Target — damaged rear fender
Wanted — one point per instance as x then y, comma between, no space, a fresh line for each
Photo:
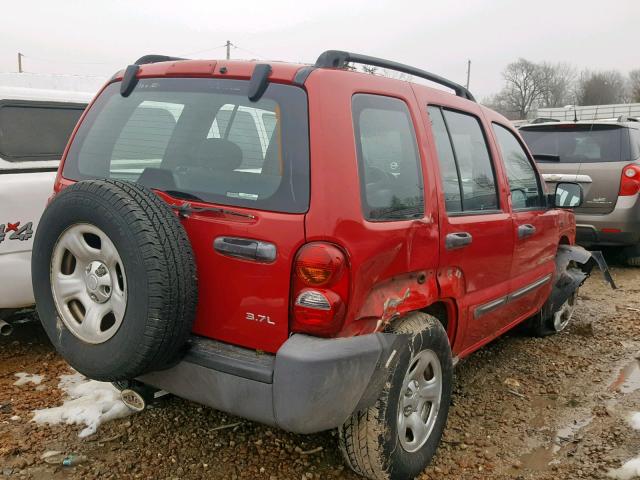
573,266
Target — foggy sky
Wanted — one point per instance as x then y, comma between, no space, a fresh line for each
100,37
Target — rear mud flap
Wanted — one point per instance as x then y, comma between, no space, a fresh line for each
569,277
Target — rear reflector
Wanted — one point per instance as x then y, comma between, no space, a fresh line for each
610,230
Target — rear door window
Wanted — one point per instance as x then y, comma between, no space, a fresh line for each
523,179
200,139
388,159
448,168
32,131
582,143
460,135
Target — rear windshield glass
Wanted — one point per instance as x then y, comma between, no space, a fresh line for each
200,139
578,143
36,130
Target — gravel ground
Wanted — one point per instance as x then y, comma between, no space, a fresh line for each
523,408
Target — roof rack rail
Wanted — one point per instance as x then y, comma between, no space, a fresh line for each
340,59
625,118
155,59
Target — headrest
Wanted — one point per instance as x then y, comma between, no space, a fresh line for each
219,154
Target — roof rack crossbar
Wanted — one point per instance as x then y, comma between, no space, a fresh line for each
340,59
155,59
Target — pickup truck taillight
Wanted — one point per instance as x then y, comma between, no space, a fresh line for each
630,181
320,289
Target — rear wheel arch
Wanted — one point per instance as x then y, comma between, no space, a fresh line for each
446,312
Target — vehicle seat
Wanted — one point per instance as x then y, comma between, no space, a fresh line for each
217,154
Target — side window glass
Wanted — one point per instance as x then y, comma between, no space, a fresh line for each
477,178
446,158
635,143
523,181
32,131
388,159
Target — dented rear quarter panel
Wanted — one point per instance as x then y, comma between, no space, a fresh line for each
393,264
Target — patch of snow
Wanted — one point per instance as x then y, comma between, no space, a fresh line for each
24,378
89,403
634,421
15,418
629,470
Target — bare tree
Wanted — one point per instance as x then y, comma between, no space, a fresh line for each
558,81
634,85
524,86
601,88
385,72
498,103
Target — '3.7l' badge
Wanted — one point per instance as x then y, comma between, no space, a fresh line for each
255,317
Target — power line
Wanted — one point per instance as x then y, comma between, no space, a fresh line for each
249,51
203,50
70,62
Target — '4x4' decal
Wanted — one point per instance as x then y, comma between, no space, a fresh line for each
16,232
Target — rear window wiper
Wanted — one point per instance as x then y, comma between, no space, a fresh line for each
186,208
546,157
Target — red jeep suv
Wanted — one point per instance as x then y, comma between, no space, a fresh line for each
305,246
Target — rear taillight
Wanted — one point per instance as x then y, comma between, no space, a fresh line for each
320,289
630,180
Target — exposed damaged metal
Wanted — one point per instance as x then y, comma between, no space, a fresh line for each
573,266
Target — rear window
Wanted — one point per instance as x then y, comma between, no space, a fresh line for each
579,143
200,139
31,131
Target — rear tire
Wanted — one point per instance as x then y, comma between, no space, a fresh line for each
387,441
632,255
153,277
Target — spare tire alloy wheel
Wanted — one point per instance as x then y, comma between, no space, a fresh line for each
88,283
114,278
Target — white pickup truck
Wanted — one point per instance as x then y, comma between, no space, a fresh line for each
37,114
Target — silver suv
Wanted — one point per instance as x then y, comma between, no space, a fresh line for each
604,157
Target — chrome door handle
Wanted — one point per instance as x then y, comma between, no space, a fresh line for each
526,230
457,240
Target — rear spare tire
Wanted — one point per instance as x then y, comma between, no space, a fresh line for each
114,279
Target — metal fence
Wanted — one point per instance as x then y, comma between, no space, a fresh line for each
590,112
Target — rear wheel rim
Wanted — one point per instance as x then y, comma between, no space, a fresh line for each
420,400
88,283
563,316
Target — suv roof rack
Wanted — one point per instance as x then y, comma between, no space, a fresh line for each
625,118
340,59
155,59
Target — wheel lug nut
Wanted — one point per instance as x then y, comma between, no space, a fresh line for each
408,411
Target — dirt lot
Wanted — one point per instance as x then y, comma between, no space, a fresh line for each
523,408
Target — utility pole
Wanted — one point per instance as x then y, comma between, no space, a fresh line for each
468,73
20,62
228,44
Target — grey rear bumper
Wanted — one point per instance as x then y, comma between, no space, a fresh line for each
310,385
621,226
